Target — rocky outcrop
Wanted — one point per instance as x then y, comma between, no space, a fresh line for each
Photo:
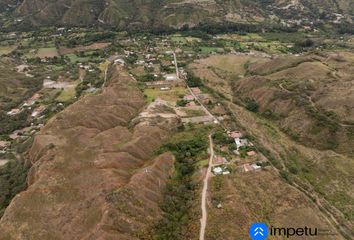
94,174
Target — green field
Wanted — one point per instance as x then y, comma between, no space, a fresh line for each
172,95
86,58
207,50
182,40
75,59
68,93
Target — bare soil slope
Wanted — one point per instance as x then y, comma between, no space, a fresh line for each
94,174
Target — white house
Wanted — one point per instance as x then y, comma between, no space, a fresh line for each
119,61
256,167
13,112
217,170
241,142
171,77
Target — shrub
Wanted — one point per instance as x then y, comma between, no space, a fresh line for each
181,103
194,81
252,105
285,175
305,43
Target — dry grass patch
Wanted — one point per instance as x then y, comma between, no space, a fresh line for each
47,52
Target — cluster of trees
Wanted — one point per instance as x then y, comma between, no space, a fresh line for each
180,193
203,29
92,79
146,78
12,181
345,29
306,43
244,149
132,58
219,28
181,103
194,81
251,105
221,138
8,124
86,39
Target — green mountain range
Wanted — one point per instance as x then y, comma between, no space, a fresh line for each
176,13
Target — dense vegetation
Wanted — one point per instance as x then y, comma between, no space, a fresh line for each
85,39
221,138
194,81
251,105
8,124
12,181
180,194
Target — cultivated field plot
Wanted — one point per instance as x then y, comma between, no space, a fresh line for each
6,49
257,42
172,95
94,46
47,52
68,93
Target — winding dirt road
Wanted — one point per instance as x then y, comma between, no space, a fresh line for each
203,220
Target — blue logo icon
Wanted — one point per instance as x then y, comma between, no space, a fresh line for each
259,231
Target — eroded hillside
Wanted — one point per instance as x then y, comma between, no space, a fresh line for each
94,174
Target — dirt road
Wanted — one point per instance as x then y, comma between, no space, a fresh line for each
203,220
216,121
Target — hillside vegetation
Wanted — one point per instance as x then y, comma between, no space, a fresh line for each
176,13
300,111
310,97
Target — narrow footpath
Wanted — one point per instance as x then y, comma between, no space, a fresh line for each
105,76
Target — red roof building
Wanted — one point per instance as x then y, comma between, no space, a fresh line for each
247,167
188,98
196,90
235,134
220,160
